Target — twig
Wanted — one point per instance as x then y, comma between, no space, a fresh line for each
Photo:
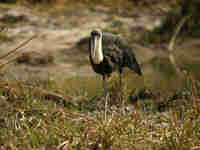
194,88
18,47
65,143
8,62
172,43
173,39
173,62
141,47
42,92
14,50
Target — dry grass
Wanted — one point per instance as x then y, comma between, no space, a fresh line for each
155,121
4,36
29,121
59,5
36,59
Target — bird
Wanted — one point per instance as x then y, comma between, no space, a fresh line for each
110,53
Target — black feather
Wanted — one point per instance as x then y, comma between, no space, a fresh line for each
117,55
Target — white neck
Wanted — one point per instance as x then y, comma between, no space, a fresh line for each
97,54
100,50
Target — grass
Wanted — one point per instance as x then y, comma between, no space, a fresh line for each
4,36
30,121
35,59
153,120
179,10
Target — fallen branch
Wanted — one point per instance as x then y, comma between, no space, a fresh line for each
141,47
172,43
47,95
18,47
51,95
14,51
173,62
173,39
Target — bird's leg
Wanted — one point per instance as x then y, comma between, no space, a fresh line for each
122,93
106,95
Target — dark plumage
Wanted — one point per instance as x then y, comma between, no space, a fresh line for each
109,53
116,55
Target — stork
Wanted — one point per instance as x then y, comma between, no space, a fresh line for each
110,53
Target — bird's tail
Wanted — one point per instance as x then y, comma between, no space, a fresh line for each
137,69
133,65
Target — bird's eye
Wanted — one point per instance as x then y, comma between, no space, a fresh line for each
95,33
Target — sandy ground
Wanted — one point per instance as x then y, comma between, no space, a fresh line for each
58,35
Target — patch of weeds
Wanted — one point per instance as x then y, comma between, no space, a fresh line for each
80,85
28,118
4,37
193,68
29,121
13,20
108,135
119,93
180,9
163,66
35,59
198,87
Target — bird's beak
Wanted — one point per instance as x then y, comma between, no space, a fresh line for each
95,49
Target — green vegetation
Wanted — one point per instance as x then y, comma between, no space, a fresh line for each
4,36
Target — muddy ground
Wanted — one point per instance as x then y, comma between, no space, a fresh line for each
60,48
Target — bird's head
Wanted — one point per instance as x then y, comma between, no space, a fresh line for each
96,46
96,33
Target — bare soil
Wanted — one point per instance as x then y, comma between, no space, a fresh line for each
64,35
